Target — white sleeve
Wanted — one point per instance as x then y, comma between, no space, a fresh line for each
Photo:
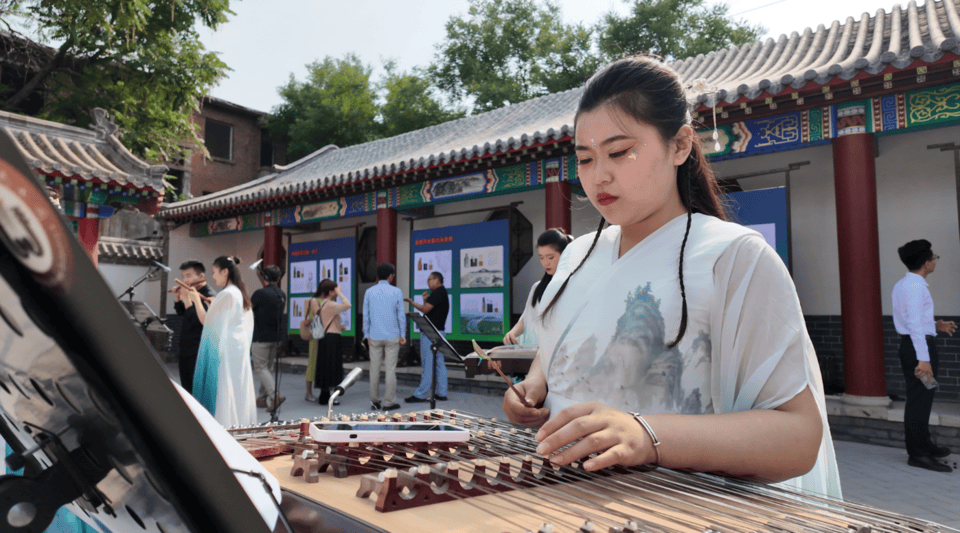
760,350
762,354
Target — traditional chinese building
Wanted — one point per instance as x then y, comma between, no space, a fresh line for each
855,122
88,172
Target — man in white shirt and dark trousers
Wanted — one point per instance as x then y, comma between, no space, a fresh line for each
385,331
913,319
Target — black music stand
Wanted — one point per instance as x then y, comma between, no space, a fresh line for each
437,344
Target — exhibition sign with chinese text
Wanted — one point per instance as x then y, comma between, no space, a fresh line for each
472,259
312,262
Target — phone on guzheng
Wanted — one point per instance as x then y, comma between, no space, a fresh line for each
386,432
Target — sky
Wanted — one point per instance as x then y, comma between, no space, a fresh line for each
268,40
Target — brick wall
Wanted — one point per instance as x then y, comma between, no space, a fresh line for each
218,174
885,432
825,332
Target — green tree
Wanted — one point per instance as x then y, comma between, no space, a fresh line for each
408,102
673,29
508,51
335,105
140,60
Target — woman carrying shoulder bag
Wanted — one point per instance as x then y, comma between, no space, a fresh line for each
329,368
325,305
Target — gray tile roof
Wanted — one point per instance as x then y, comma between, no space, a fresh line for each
514,127
769,66
870,44
128,251
93,155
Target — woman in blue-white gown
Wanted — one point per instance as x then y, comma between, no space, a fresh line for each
223,379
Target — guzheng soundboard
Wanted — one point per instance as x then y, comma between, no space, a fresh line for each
495,482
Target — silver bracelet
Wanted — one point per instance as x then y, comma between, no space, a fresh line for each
653,436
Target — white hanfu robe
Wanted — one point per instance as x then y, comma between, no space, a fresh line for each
746,345
223,379
529,335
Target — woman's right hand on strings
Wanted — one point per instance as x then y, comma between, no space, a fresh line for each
520,414
510,338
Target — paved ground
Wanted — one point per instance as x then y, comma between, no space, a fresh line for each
874,475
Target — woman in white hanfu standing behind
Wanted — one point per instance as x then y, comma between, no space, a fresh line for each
671,337
223,379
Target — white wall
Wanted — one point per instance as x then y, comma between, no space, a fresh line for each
119,277
245,245
916,199
816,270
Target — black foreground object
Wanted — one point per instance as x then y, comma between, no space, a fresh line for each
86,405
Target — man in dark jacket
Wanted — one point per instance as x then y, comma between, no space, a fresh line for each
268,304
194,274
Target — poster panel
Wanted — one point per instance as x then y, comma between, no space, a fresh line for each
481,267
298,311
344,266
318,260
764,210
303,276
426,263
481,313
471,258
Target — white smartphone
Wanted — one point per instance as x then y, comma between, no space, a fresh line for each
387,432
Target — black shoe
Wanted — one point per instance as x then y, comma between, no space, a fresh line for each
414,399
391,407
375,405
929,463
441,398
939,452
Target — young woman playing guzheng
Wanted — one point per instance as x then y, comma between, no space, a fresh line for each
671,314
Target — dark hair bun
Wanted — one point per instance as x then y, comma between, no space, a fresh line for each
236,260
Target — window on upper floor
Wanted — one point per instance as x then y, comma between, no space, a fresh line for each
218,137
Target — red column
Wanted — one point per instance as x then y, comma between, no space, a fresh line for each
89,232
272,246
387,236
854,177
558,205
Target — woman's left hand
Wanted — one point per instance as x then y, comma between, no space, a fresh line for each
615,435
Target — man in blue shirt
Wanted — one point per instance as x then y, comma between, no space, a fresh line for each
913,319
385,330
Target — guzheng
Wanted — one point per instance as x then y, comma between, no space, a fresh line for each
495,482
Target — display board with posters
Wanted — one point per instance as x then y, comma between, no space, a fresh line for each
312,262
764,210
472,259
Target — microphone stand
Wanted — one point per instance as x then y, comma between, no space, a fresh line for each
275,414
129,291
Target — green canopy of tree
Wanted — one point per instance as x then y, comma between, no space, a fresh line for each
409,104
673,29
335,105
507,51
140,60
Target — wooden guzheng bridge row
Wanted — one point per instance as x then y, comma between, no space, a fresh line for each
495,482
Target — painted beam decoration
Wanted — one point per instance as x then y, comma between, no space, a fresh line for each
509,179
895,113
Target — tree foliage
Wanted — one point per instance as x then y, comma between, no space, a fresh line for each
140,60
335,105
673,29
409,104
508,51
